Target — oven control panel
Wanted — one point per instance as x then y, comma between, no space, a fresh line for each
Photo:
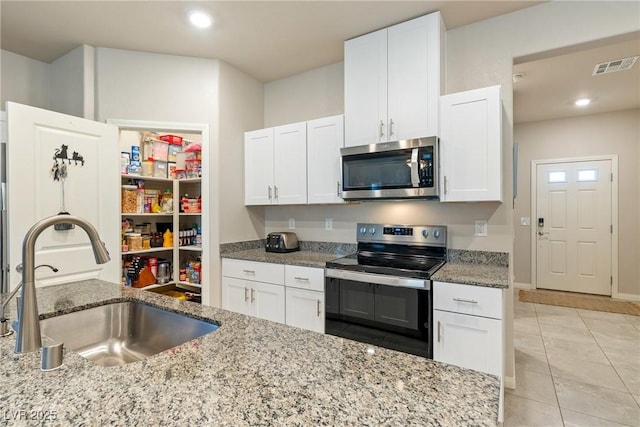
431,235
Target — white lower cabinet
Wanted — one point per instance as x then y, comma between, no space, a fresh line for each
305,309
281,293
468,327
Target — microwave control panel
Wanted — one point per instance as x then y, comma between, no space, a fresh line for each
425,169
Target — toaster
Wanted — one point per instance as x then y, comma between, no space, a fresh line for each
282,241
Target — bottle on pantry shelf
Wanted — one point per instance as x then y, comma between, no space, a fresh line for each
167,201
199,237
167,239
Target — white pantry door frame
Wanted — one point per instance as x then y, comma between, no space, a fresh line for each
614,215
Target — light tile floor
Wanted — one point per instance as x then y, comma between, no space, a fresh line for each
574,368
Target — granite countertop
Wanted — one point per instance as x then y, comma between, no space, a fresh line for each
248,372
302,257
488,275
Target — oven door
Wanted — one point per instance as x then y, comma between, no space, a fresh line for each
388,316
401,169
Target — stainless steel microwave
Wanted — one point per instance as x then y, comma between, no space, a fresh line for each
405,169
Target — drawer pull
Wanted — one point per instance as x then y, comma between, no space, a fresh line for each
246,297
318,313
304,279
470,301
438,331
253,295
249,271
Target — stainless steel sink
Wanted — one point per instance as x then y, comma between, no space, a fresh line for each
119,333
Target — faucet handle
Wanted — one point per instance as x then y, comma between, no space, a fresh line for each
19,267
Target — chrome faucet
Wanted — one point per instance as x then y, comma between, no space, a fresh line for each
28,334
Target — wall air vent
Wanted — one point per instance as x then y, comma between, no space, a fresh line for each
613,66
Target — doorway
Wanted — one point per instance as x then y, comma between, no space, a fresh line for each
574,227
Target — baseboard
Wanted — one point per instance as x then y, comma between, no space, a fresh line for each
510,382
629,297
519,285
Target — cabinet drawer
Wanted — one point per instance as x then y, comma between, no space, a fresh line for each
467,299
304,277
251,270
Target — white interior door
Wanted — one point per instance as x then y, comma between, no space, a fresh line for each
574,227
91,191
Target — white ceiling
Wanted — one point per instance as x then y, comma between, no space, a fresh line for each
272,40
268,40
550,86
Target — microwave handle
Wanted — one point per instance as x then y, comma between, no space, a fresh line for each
415,176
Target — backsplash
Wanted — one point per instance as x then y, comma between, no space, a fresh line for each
323,247
478,257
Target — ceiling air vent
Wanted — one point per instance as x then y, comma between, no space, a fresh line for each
613,66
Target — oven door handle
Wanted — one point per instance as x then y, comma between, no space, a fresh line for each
379,279
415,176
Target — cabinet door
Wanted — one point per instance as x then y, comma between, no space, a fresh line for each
236,295
290,164
471,146
468,341
325,138
305,309
268,301
414,78
258,167
365,89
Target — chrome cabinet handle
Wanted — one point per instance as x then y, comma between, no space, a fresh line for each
381,128
306,279
249,271
445,184
246,297
253,295
269,192
275,191
438,331
338,188
390,127
470,301
318,313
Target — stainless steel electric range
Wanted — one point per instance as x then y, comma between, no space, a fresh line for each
382,295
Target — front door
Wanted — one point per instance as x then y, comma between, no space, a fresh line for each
43,147
573,226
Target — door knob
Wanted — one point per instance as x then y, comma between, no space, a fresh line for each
542,233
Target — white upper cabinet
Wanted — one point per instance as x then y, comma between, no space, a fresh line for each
258,167
275,162
325,138
471,146
392,82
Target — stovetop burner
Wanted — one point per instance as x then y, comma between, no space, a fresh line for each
351,263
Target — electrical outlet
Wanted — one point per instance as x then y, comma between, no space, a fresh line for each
526,221
328,223
292,223
481,228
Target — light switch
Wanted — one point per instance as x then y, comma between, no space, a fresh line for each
526,221
481,228
328,223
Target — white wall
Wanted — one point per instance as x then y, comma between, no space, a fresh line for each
23,80
305,96
600,134
72,82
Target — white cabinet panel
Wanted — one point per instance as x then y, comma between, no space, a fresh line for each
365,89
325,137
254,271
468,341
305,309
468,299
236,295
268,301
304,277
290,164
471,145
392,82
258,167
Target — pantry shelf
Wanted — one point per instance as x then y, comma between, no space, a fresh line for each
147,178
191,248
147,251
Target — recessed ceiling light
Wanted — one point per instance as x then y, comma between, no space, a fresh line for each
517,77
200,19
583,102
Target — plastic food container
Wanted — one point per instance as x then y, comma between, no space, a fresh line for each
160,169
129,199
134,241
147,167
160,150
